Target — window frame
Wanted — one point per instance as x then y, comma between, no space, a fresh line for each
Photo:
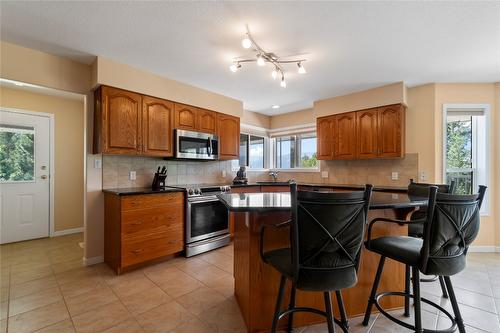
485,109
297,153
265,153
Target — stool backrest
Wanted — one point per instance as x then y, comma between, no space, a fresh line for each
422,189
327,228
452,224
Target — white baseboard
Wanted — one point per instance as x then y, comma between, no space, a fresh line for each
67,232
484,249
93,260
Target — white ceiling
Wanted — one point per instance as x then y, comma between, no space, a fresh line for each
351,46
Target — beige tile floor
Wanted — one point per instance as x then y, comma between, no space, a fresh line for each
44,288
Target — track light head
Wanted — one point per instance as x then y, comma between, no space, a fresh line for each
234,67
274,73
283,82
246,42
260,60
301,69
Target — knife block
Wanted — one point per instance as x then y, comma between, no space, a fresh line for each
158,181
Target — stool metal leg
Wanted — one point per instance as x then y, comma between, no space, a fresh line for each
416,295
291,306
340,301
443,287
407,291
279,300
329,312
454,304
373,293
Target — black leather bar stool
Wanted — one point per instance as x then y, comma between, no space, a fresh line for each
326,235
416,229
452,223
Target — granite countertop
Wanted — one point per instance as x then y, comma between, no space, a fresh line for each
379,188
280,201
141,190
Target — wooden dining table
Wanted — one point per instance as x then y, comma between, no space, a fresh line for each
256,283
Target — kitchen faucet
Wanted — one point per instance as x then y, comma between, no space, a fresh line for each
274,174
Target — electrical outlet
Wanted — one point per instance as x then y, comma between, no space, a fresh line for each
395,175
423,176
98,163
132,175
324,174
223,173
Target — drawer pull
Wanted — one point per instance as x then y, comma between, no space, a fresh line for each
137,251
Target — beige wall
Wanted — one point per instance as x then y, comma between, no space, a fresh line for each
255,119
300,117
69,118
384,95
115,74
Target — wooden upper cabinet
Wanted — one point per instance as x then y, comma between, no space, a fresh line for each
157,123
228,128
367,134
185,117
325,141
207,121
345,136
391,131
121,121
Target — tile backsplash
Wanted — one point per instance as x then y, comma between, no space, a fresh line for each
116,171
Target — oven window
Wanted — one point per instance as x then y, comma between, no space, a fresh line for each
208,217
189,145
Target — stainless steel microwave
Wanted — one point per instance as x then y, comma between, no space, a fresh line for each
196,145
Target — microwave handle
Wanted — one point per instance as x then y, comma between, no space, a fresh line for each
209,147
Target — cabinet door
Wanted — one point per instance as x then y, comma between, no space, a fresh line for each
366,133
207,121
121,120
391,131
157,124
345,136
185,117
325,142
229,136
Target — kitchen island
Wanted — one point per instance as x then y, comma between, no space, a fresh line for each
256,283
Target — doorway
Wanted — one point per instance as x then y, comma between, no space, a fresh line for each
25,175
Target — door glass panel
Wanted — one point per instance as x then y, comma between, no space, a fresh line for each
17,153
208,217
308,151
285,152
243,149
193,145
256,152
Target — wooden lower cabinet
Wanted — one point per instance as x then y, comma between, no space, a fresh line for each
141,228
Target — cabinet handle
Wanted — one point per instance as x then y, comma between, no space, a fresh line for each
137,251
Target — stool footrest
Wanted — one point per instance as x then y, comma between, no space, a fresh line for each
378,297
316,311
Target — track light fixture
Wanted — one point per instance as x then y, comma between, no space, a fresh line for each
262,58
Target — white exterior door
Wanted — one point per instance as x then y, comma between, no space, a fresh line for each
24,176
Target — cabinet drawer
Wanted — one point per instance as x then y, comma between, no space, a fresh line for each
146,248
152,200
152,220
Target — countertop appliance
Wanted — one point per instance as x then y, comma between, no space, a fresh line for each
207,219
196,145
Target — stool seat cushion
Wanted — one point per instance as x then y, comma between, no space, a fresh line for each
313,278
401,248
416,230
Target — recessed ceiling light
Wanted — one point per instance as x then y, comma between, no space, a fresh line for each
275,106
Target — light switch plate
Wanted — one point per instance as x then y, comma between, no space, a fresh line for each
98,163
223,173
395,175
132,175
324,174
423,176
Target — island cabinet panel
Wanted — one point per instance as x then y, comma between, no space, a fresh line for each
345,136
275,188
367,133
186,117
391,131
207,121
157,120
325,142
121,131
142,228
228,129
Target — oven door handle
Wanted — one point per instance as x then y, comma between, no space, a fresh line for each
203,199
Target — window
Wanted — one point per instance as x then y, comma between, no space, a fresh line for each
295,151
252,152
17,153
465,153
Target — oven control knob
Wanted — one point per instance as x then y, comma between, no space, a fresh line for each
197,191
190,191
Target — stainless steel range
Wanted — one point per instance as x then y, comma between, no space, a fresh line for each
207,219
